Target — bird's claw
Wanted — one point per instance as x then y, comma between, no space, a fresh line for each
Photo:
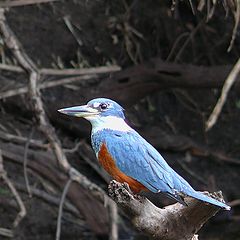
119,191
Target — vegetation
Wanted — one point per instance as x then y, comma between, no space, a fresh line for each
174,66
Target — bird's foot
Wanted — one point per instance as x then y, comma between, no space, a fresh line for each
125,185
135,195
216,195
119,191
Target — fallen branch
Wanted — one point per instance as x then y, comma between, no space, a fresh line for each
174,222
65,72
65,190
180,143
55,83
16,3
48,198
25,159
22,140
138,81
113,219
37,105
90,158
155,75
226,88
234,203
44,164
22,212
236,15
6,232
38,109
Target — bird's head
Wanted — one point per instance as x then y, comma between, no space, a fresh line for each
97,111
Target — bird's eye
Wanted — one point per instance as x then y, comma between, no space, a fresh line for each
103,106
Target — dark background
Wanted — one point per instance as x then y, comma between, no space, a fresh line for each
129,34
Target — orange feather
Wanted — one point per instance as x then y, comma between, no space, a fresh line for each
109,165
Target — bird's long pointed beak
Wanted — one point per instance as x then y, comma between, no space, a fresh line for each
79,111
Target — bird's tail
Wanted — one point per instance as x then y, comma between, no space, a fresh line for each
207,199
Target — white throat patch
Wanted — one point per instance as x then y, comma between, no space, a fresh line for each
109,122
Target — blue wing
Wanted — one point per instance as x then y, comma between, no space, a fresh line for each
138,159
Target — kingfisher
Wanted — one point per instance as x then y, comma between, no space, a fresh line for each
128,157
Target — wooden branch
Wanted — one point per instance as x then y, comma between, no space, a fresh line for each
16,3
113,219
22,212
48,198
50,84
89,157
22,140
44,164
39,111
232,77
83,71
37,105
138,81
44,125
174,222
11,68
67,71
25,160
6,233
156,75
179,143
60,210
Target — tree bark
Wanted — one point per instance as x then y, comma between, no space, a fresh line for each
155,75
44,164
174,222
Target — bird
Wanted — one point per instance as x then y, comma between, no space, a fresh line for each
128,158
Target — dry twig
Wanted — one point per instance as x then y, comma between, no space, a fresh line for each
16,3
236,14
113,215
20,203
191,35
25,158
27,64
37,105
85,202
58,82
22,140
191,173
70,27
65,72
65,190
175,45
75,148
87,151
226,87
6,232
35,96
234,203
49,198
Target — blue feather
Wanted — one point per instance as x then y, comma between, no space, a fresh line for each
138,159
133,155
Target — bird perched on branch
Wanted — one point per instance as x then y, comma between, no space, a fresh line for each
128,157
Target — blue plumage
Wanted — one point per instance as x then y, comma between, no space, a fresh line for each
113,108
132,154
138,159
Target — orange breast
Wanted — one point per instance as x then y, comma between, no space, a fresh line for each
109,165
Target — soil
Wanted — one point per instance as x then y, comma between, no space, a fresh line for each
127,33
